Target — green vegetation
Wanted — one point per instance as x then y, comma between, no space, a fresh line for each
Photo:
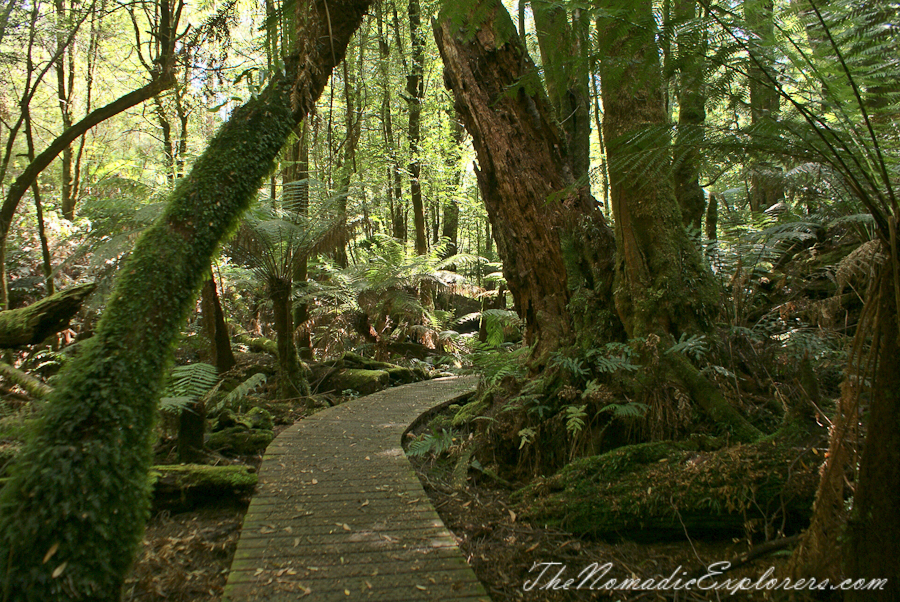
664,234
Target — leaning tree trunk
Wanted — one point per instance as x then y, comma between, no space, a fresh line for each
72,515
29,175
662,284
524,173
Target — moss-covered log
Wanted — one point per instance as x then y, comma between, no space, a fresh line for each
187,485
240,441
260,344
72,517
33,324
32,385
362,381
664,490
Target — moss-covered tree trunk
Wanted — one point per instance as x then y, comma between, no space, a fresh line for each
72,516
691,43
662,284
290,378
562,42
524,172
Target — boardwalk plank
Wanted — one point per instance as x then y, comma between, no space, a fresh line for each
341,515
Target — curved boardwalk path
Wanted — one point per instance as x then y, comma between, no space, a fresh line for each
340,514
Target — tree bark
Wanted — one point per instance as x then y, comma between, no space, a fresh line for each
766,186
290,378
221,355
301,263
79,492
662,284
691,43
874,525
524,174
564,56
33,324
415,89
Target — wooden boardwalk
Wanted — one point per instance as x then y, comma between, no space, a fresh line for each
340,514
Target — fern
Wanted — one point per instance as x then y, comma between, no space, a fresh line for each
575,418
632,409
187,384
431,443
611,358
240,391
693,346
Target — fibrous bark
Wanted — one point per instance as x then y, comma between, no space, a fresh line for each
72,516
523,171
874,526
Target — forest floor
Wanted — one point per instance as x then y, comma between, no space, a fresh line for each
186,556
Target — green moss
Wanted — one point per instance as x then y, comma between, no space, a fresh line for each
659,490
260,419
80,486
469,411
197,475
240,441
364,382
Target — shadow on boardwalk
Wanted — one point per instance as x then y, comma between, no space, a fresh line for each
341,515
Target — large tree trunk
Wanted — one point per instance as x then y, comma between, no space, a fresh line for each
662,284
72,515
524,174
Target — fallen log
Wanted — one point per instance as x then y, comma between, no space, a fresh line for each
186,486
33,324
33,386
672,490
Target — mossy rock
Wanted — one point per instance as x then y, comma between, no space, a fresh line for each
189,485
660,491
363,382
260,419
228,419
238,440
